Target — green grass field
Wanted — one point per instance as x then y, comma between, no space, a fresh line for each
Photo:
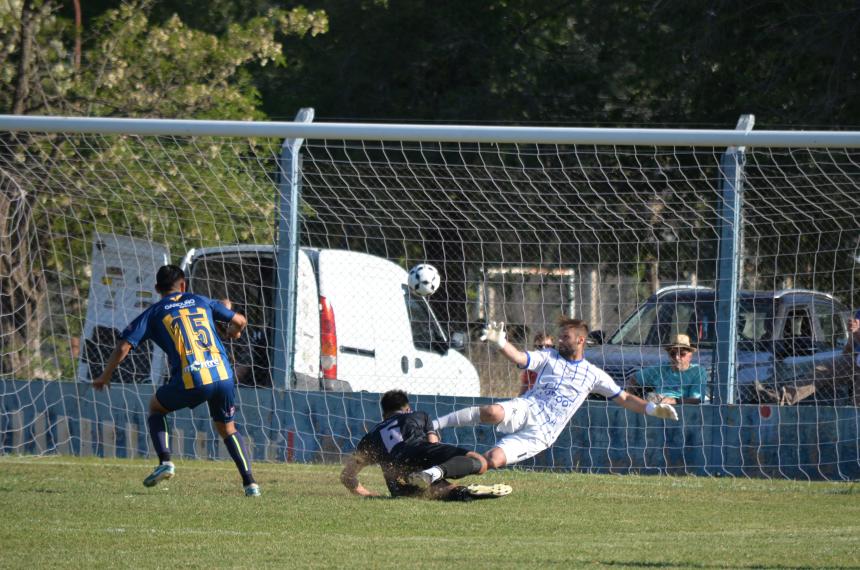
73,513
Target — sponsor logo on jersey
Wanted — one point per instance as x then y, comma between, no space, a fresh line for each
180,305
196,366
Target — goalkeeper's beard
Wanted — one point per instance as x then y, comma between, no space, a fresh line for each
565,351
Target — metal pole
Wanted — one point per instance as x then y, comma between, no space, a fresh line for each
433,133
288,193
724,359
731,172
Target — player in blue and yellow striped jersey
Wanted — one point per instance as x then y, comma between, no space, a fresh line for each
183,325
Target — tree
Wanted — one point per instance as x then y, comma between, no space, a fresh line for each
130,67
589,62
578,62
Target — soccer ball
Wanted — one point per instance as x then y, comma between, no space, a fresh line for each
423,280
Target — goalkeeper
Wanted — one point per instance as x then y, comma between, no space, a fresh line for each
531,423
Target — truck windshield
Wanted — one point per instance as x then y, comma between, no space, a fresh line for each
656,322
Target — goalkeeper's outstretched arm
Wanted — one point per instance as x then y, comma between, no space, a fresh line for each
494,333
640,406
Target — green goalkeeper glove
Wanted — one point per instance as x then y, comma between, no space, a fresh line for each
495,332
665,411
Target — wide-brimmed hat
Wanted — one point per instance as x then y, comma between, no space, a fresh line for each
680,341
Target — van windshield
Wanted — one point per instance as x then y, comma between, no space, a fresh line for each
656,322
426,333
247,280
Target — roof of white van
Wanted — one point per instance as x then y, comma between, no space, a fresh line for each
228,249
270,249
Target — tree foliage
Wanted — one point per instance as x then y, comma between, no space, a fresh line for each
134,67
579,62
584,62
131,66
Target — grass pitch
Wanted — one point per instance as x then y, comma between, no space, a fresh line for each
95,513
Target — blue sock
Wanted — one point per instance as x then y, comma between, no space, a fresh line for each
236,446
160,438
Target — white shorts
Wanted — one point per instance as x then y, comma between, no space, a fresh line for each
523,439
516,415
520,446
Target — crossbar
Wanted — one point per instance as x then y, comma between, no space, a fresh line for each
434,133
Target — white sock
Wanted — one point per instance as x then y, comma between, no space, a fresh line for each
465,417
435,473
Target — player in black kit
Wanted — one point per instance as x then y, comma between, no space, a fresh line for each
413,461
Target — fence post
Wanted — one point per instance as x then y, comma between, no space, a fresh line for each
288,196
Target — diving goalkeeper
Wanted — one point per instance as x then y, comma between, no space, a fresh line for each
531,423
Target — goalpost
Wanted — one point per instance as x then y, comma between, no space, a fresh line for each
599,223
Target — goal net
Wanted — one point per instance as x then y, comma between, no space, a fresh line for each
623,236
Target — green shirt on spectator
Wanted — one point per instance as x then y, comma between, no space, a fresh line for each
672,383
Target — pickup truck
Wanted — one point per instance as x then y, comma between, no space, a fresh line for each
782,335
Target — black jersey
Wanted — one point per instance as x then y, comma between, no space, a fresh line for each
385,442
399,445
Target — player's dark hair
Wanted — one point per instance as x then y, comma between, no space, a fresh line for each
167,277
393,401
565,323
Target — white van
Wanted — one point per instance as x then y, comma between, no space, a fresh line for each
357,326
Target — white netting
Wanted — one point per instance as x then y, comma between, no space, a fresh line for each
521,234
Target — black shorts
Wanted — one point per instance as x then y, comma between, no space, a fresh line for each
219,395
416,457
422,455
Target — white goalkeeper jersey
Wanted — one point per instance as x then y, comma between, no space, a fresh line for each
561,388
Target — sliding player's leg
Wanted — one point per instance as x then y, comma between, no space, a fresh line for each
436,461
454,468
445,491
440,462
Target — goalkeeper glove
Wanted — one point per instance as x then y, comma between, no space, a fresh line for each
665,411
495,332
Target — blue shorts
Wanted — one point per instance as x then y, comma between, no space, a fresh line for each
220,396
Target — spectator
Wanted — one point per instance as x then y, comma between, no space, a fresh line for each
679,382
542,341
837,381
